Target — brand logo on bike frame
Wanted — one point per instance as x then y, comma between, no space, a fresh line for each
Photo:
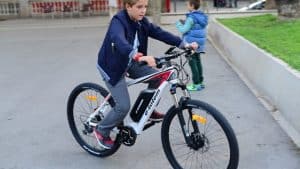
152,101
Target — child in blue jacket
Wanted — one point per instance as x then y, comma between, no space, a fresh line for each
194,30
125,45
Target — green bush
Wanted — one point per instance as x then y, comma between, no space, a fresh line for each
278,37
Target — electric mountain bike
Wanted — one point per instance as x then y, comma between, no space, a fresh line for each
194,134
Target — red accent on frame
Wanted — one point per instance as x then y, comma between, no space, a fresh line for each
162,77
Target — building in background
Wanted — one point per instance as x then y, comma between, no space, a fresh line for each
79,8
55,8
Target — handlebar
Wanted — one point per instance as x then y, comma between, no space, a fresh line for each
169,55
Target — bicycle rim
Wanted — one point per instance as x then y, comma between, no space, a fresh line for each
218,148
83,101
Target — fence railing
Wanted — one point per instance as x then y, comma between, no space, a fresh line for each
9,8
55,8
62,8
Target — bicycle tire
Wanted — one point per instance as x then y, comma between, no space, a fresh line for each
82,139
204,157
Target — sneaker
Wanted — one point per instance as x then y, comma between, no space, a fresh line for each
201,85
195,87
156,116
105,142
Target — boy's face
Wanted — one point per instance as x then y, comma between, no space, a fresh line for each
189,6
138,10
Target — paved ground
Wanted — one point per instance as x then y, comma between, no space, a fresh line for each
42,60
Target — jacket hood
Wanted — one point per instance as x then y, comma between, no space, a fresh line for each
198,17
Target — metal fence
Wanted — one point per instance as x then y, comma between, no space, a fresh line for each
55,8
9,8
71,8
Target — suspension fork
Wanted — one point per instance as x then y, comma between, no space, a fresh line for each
179,107
187,95
194,123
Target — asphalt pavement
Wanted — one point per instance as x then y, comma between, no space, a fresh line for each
43,60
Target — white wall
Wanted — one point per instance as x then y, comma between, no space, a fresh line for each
275,82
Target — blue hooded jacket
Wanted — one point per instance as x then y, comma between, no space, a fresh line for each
117,48
197,32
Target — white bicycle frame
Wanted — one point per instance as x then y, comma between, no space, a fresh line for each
138,127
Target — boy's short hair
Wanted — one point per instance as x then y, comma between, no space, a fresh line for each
196,3
129,2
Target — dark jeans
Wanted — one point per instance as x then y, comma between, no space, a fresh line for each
196,67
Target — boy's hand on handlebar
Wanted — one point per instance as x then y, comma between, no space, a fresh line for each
193,45
149,59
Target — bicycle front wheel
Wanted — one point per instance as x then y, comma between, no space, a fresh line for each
83,101
198,136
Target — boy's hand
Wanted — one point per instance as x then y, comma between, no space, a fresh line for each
182,21
149,59
193,45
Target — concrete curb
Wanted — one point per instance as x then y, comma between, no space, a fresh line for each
272,81
171,18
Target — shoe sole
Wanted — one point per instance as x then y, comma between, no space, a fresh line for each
156,120
195,90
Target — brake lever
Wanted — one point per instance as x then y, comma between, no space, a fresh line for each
170,50
188,51
159,62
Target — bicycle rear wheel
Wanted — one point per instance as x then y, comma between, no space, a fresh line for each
84,100
200,137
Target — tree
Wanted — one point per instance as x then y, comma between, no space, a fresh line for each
270,4
154,9
288,8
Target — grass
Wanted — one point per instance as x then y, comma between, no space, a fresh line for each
278,37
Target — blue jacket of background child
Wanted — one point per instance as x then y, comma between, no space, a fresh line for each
194,28
117,49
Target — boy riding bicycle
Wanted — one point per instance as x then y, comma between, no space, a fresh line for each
125,45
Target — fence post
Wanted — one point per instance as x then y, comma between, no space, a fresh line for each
113,7
156,7
24,8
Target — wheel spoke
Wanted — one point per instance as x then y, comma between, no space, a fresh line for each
210,145
83,101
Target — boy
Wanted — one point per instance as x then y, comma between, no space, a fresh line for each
194,30
125,45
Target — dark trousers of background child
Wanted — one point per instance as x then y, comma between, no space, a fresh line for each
197,72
